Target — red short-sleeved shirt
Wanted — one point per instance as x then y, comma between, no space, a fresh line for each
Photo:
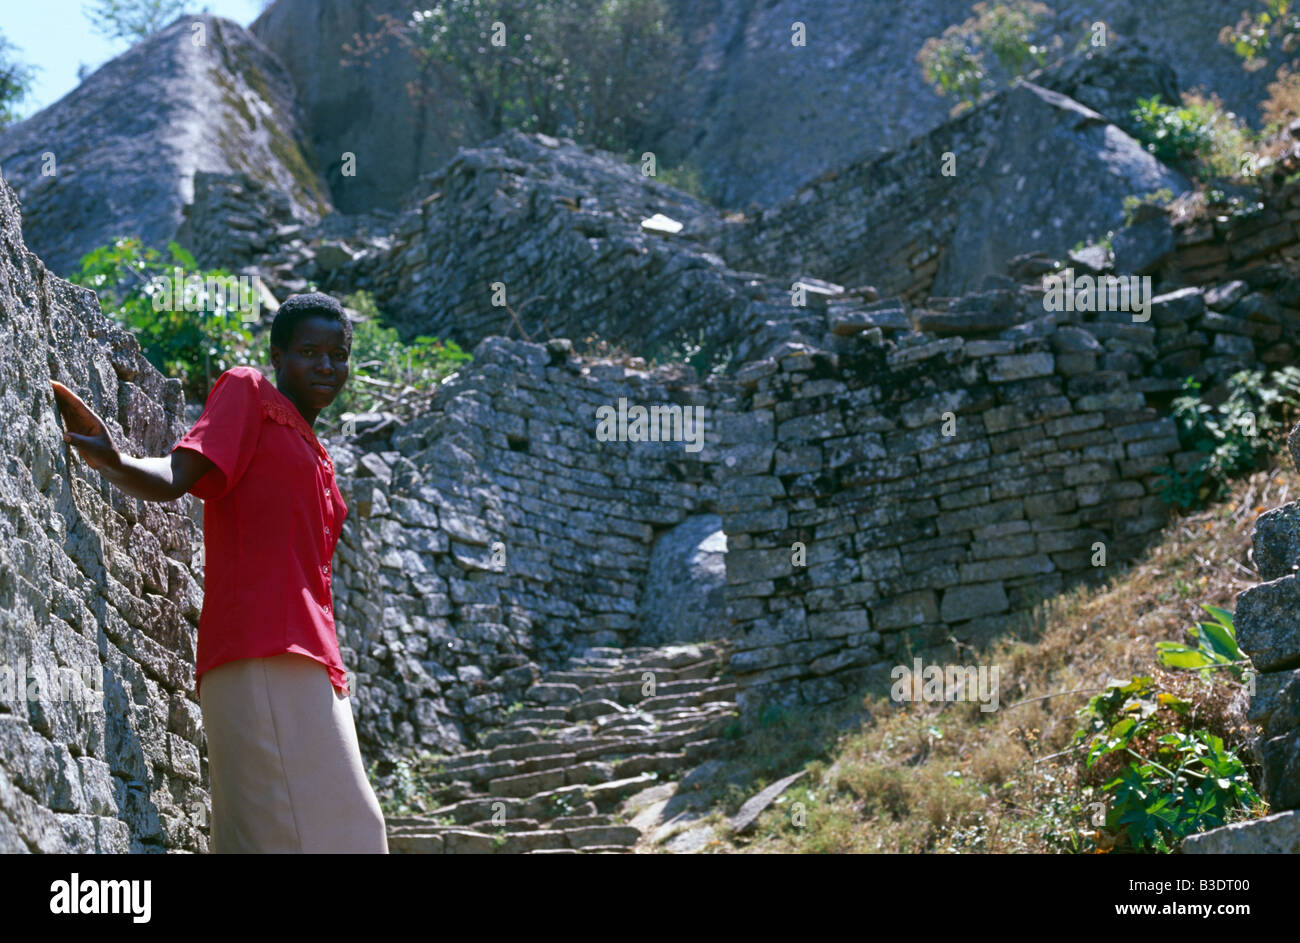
271,518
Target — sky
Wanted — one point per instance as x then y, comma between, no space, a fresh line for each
56,35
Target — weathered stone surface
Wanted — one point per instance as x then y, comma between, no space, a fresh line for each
1147,242
997,205
1175,307
684,586
1277,834
99,734
1276,541
1268,623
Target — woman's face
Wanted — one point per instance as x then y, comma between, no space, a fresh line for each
315,366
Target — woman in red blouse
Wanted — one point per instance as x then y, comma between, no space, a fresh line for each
283,760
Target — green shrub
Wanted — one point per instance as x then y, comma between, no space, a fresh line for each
380,355
1185,782
1252,36
195,346
1199,136
1174,134
1232,438
987,50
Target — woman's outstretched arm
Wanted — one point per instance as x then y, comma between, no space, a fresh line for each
152,479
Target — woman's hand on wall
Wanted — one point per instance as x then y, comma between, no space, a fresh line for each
151,479
86,431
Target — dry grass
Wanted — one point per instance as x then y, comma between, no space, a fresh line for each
946,777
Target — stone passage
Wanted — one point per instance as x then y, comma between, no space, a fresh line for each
550,779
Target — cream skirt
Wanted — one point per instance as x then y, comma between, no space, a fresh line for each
284,763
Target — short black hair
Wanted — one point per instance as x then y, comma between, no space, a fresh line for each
307,305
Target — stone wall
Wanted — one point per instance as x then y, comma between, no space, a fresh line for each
836,440
558,225
445,633
100,732
947,466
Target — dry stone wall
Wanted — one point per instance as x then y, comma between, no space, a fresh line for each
101,740
496,535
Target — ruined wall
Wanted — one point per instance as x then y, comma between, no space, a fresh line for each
946,478
444,634
558,225
100,735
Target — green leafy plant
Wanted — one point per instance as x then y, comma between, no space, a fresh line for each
1162,781
1252,36
1174,134
1216,646
1233,437
1199,136
382,363
195,346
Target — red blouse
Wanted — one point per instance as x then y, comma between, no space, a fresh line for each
271,518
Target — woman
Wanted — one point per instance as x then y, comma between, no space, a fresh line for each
283,759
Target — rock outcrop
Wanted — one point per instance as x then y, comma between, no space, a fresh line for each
363,110
853,92
1029,169
117,155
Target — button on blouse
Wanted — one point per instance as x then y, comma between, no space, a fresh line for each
270,526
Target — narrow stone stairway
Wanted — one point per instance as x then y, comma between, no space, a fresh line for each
550,780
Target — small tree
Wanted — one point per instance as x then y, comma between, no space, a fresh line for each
587,69
134,19
987,50
15,82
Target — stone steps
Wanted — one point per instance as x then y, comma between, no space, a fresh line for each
550,780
